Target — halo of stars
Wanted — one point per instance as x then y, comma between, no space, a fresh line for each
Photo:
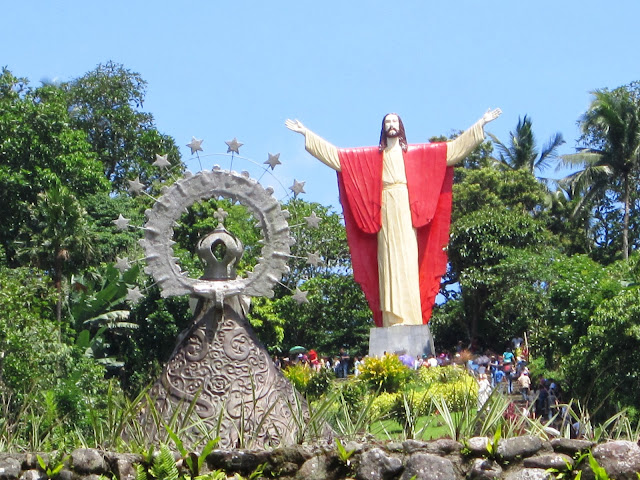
136,187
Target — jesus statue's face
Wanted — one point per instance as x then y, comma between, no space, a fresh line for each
391,125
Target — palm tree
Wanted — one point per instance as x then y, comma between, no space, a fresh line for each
522,151
611,131
57,237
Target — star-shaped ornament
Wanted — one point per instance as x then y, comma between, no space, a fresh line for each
300,297
273,161
135,186
297,188
314,259
195,145
162,161
234,146
122,264
134,295
313,221
121,222
221,215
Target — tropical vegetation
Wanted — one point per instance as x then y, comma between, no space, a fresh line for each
557,261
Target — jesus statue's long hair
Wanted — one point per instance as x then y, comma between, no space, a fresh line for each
402,136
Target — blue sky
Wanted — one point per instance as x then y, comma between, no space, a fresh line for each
219,70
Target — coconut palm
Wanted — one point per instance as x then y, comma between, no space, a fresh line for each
611,130
522,151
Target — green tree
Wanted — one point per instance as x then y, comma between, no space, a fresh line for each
479,242
601,368
336,315
38,150
54,389
610,161
105,104
56,239
490,219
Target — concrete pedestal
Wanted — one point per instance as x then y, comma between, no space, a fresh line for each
414,339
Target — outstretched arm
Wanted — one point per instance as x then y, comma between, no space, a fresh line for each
315,145
296,126
459,148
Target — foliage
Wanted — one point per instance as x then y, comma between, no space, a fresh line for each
299,375
386,373
163,467
320,383
343,454
54,466
451,384
488,188
109,242
159,321
104,105
352,419
384,403
353,395
409,408
522,152
479,242
611,133
336,315
598,369
446,374
39,149
599,472
193,460
57,239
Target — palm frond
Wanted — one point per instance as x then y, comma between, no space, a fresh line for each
548,152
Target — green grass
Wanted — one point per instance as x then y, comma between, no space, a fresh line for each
390,429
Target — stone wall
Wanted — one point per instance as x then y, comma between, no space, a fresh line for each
520,458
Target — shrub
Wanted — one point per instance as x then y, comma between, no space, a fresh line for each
452,384
386,373
448,374
320,382
354,394
383,404
299,375
409,407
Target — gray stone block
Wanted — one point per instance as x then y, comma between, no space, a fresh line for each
621,459
529,474
9,468
558,461
483,469
414,339
375,464
510,449
425,466
88,460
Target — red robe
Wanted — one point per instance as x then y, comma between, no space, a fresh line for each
429,182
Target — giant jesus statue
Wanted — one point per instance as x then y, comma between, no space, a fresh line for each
396,200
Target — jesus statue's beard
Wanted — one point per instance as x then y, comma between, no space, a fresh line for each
392,133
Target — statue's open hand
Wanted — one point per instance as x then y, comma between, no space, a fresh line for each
491,115
296,126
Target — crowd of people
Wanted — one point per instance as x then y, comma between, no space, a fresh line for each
341,363
507,373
